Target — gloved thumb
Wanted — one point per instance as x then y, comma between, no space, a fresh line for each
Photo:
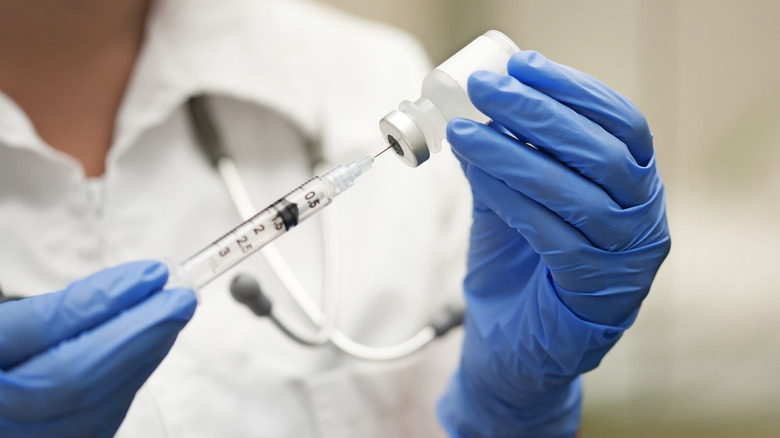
33,325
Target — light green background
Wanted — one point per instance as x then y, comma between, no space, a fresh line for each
703,357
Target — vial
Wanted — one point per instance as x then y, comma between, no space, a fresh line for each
417,129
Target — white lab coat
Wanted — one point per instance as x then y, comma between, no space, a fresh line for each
283,75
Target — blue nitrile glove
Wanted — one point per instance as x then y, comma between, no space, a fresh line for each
566,240
72,361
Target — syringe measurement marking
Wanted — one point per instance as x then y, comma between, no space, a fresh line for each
241,242
285,217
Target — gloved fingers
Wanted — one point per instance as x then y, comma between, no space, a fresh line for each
587,96
477,205
499,258
82,370
502,129
576,268
545,231
572,139
34,324
539,177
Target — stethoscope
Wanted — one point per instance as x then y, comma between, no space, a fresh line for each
246,290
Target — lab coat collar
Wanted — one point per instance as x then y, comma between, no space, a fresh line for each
191,48
15,128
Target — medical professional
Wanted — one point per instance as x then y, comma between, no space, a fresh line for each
99,169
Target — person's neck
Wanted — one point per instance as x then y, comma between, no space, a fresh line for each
66,63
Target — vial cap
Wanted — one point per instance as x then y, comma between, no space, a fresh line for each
406,139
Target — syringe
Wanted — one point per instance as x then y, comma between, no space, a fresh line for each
270,223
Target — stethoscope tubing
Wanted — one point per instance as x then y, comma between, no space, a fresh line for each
209,140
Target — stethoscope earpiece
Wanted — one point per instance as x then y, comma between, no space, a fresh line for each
246,290
447,318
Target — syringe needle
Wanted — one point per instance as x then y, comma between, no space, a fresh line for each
383,151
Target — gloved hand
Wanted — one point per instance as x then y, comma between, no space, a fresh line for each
72,361
566,239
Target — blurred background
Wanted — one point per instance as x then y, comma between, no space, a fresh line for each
702,359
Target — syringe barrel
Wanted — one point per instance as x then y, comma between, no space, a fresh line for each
270,223
260,230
